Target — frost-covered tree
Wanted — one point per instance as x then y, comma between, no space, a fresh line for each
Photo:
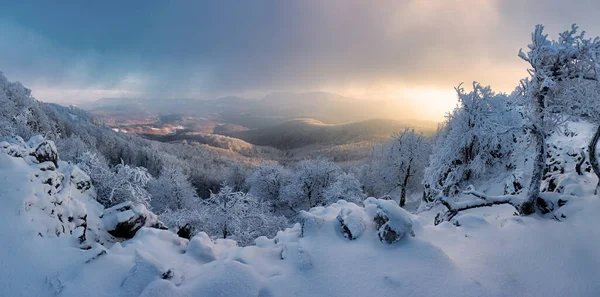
589,94
127,183
346,187
558,71
21,114
236,177
308,182
172,190
267,181
240,216
72,148
479,134
398,165
553,64
117,184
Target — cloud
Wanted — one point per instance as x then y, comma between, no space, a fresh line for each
200,48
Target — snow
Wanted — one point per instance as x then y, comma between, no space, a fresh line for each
481,252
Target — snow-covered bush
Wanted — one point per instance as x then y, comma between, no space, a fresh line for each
346,187
239,216
267,181
72,148
308,182
172,190
236,177
118,184
185,222
226,214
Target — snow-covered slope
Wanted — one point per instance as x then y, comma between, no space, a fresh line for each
376,249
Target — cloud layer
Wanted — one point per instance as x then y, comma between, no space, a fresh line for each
195,48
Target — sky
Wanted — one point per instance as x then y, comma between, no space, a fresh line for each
410,51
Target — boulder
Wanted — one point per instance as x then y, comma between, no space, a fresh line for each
43,150
352,224
125,219
392,222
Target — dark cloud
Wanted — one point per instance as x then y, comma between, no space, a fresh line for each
177,48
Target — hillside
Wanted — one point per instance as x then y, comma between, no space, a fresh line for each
62,242
305,132
218,141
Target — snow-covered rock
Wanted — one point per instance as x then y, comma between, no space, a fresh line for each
352,223
43,150
125,219
392,222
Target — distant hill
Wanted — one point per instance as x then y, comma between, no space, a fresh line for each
275,108
235,145
305,132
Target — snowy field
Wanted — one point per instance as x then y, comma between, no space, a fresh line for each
339,250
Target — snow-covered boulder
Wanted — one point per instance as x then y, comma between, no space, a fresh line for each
310,223
125,219
15,146
202,248
81,180
392,222
352,223
43,150
62,200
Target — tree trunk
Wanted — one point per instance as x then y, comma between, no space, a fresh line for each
593,157
539,162
404,184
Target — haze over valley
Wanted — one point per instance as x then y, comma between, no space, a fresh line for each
285,126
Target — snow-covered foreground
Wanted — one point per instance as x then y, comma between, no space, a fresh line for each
45,251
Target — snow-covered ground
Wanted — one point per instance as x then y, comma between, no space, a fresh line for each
376,249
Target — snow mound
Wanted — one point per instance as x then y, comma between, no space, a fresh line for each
321,262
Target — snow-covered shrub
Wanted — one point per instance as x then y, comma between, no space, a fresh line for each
308,182
72,148
346,187
267,181
239,216
185,222
236,177
118,184
172,190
